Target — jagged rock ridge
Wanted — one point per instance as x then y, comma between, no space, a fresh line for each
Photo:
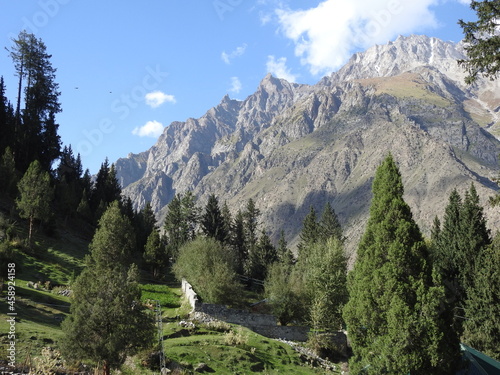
289,146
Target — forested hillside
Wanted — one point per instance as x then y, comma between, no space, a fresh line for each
365,205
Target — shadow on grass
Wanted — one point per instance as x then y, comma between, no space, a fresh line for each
36,313
42,297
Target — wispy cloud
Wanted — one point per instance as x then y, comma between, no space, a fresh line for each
239,51
149,129
279,69
235,85
157,98
327,35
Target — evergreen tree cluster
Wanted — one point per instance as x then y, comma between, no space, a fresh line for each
34,167
251,248
313,288
467,259
412,302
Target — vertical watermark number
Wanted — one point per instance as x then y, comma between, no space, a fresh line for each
11,314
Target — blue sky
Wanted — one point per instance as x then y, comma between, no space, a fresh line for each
127,69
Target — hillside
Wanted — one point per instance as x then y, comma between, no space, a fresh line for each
289,146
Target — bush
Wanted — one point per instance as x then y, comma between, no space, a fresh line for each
236,338
209,268
217,325
283,294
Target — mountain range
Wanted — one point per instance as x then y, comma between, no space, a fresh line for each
289,146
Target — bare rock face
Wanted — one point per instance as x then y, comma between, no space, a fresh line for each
289,146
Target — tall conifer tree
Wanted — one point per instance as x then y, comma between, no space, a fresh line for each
456,246
393,312
329,225
482,307
310,232
212,222
36,128
107,321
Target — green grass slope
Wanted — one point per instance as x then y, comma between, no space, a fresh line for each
48,269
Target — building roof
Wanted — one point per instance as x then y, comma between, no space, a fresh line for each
478,363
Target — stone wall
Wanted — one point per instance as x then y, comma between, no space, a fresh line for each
263,324
190,294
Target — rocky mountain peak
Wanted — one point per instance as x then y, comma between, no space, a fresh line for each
289,146
403,54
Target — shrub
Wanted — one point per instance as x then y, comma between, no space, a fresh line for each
236,338
208,266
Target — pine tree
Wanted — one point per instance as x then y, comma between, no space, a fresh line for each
113,244
212,222
310,232
35,196
447,244
155,255
476,235
106,189
107,321
285,255
238,242
329,225
190,214
83,208
128,211
263,255
482,307
145,223
227,224
251,217
457,245
482,41
250,225
7,128
393,311
180,222
8,173
36,129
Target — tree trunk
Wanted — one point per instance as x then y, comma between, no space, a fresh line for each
106,368
19,91
30,231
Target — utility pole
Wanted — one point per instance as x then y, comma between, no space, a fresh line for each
159,323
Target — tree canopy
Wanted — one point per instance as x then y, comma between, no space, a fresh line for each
107,321
393,310
482,41
35,195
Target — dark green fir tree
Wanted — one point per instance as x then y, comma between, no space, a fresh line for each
482,307
107,321
310,232
212,221
393,313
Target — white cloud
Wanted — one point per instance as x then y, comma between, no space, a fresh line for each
157,98
239,51
327,35
235,85
279,69
149,129
265,18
